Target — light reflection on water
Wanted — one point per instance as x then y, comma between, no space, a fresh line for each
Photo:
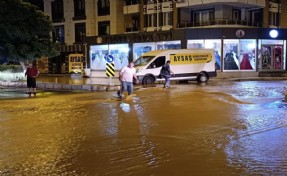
260,148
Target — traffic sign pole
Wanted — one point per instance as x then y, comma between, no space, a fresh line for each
110,68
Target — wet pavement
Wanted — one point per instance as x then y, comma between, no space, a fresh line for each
79,80
222,128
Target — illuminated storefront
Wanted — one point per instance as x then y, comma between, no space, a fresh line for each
272,55
239,54
207,44
99,53
250,50
141,48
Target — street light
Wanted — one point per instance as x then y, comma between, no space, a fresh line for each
273,33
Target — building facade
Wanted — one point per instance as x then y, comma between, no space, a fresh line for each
249,36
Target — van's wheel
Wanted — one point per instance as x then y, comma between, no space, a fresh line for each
148,80
202,78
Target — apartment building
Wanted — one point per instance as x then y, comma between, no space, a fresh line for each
249,36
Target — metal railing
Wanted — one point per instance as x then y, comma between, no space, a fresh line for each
218,21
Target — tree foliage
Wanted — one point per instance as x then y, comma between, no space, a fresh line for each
24,32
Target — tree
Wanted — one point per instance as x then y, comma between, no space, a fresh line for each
24,32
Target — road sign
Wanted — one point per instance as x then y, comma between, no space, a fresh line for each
109,58
110,69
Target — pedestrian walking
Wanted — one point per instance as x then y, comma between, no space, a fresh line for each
166,72
31,73
126,76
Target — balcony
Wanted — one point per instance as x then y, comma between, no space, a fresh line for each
132,29
219,22
236,3
130,9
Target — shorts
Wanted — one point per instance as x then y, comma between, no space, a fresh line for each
31,82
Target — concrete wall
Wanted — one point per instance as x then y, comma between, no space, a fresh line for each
91,26
283,16
69,23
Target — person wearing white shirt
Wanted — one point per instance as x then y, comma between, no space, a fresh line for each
127,74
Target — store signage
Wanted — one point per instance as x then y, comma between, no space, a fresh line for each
76,63
195,58
99,40
240,33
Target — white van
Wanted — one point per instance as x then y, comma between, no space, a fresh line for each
187,64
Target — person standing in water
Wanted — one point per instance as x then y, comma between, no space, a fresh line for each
166,72
31,73
126,76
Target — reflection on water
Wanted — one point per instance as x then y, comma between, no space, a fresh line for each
78,80
260,148
186,130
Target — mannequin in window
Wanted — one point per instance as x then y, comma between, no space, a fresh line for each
245,63
230,61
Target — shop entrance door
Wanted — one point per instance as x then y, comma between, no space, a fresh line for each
272,57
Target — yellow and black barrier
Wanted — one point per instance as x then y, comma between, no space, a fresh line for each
110,69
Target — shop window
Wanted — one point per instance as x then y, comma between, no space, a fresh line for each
195,44
119,52
208,44
103,7
97,56
104,28
79,10
239,54
59,34
57,11
141,48
271,55
168,45
80,32
158,62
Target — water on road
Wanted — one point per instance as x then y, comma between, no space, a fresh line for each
228,128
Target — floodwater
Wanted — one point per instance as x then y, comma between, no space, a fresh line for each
228,128
79,80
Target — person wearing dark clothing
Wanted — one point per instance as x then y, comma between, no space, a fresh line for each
166,72
31,73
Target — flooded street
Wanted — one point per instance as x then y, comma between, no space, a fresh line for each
223,128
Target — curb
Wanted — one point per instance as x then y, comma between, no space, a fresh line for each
253,79
86,87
